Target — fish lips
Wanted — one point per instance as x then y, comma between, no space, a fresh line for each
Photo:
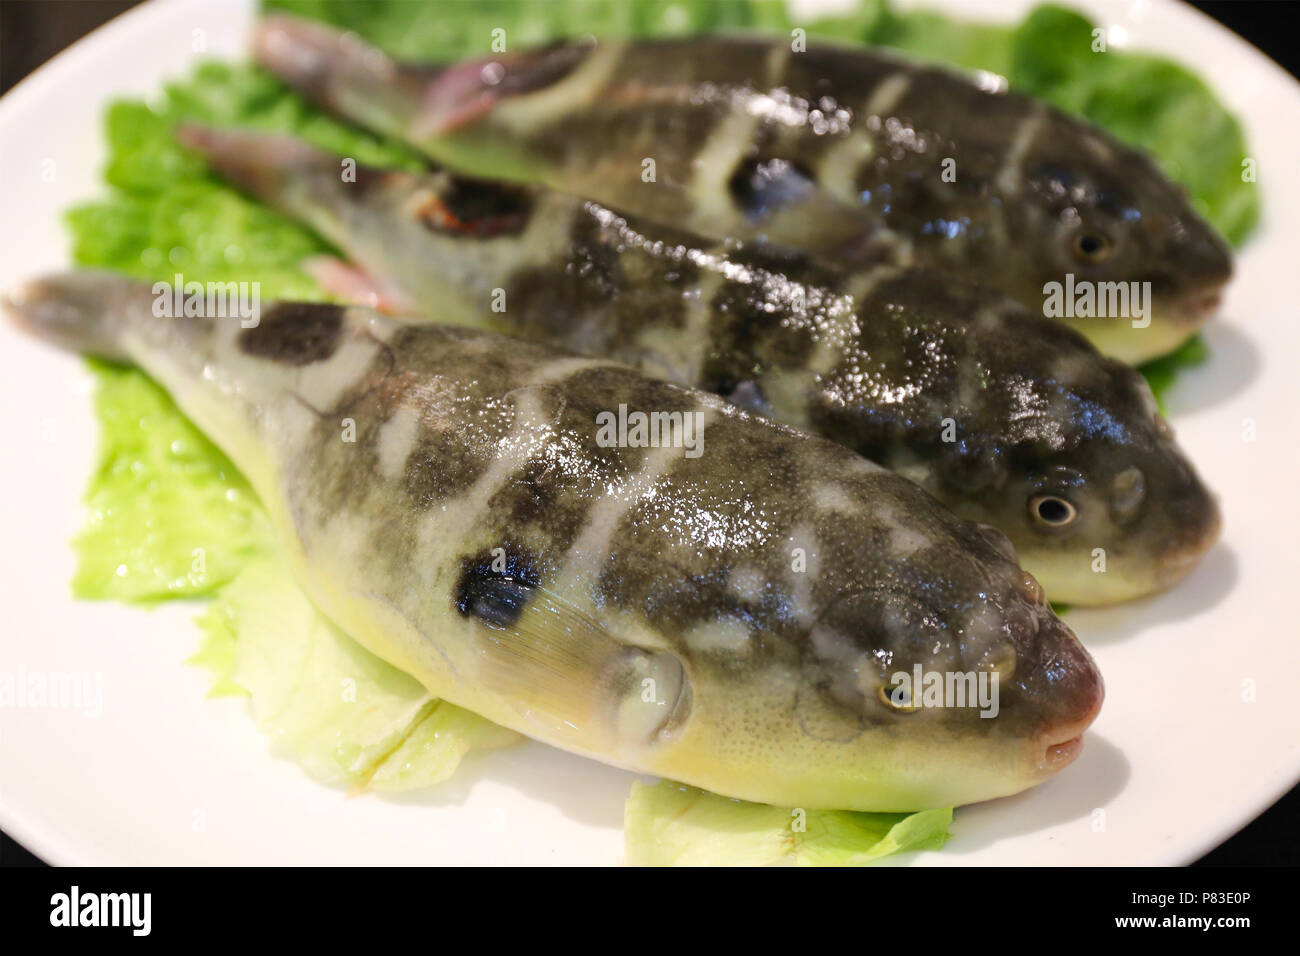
1081,686
1207,267
1200,533
1193,308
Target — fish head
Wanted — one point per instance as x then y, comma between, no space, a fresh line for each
935,677
1105,215
1098,499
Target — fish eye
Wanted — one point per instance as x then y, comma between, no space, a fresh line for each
1092,247
1052,511
906,706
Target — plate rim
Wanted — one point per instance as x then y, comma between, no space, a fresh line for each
50,844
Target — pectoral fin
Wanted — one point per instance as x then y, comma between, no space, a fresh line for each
563,671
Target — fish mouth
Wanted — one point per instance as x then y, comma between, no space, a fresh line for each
1196,308
1059,748
1061,744
1179,562
1189,309
1202,305
1175,567
1062,754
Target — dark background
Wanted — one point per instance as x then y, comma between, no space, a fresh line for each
32,31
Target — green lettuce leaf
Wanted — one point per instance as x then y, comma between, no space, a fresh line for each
171,517
345,715
167,213
168,515
1146,101
669,824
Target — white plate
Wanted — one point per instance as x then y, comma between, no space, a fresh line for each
1178,760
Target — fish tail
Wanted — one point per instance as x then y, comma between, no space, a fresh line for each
335,69
78,311
174,325
196,340
262,164
306,55
416,102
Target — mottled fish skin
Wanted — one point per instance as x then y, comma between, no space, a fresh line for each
998,414
633,604
838,151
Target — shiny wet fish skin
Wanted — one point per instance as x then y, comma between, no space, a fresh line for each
848,153
726,620
992,410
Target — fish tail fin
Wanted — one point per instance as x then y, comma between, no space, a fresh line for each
335,69
261,164
78,311
304,53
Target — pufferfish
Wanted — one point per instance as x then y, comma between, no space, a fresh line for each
729,604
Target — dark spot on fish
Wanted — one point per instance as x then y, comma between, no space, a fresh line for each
972,466
295,333
539,501
763,186
495,588
367,179
755,329
474,209
1063,186
547,299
